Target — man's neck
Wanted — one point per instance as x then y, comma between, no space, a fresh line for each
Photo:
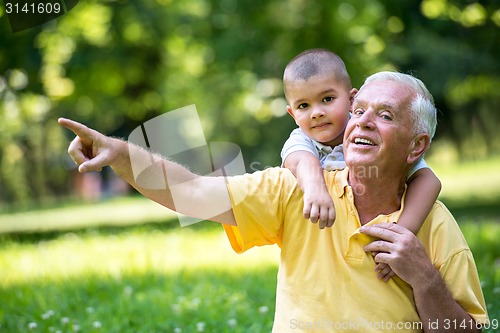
375,194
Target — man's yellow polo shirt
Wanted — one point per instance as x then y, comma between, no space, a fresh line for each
326,282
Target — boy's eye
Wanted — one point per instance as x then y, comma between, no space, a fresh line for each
328,99
303,106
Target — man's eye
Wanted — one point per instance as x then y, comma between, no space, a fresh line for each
358,112
386,116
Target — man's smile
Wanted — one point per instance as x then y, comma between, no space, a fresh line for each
363,141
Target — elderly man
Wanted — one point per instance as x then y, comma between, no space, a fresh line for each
326,279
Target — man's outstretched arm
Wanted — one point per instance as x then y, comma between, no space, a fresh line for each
185,192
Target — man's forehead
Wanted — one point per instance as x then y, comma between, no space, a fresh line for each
377,102
384,93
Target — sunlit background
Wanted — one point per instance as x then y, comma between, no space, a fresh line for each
85,253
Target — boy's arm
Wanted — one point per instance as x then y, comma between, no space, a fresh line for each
422,193
318,203
196,196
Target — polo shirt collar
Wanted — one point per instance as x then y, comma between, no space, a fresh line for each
341,183
327,149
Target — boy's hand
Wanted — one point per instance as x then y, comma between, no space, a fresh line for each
318,205
384,271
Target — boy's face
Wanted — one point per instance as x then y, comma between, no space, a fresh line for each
320,107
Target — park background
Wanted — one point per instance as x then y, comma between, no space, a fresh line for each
85,253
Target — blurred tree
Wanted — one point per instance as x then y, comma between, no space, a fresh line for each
114,65
453,46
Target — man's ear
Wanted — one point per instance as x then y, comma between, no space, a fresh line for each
419,146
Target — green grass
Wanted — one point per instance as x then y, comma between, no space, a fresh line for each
151,278
161,278
471,191
470,181
483,239
122,266
112,212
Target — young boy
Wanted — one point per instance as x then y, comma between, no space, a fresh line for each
319,94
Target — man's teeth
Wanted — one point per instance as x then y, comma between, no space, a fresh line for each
363,141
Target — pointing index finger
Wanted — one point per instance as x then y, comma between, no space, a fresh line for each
79,129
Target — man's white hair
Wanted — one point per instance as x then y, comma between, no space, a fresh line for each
422,109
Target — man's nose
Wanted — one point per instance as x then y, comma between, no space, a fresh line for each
366,120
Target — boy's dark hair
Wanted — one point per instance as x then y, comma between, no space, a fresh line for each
314,62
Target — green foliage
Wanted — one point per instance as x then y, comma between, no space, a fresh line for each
116,64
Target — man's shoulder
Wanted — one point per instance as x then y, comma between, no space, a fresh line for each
441,217
441,234
441,214
270,176
275,171
265,188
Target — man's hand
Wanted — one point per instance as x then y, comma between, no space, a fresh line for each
401,250
90,149
318,205
404,253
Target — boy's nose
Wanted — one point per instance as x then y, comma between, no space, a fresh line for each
317,112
